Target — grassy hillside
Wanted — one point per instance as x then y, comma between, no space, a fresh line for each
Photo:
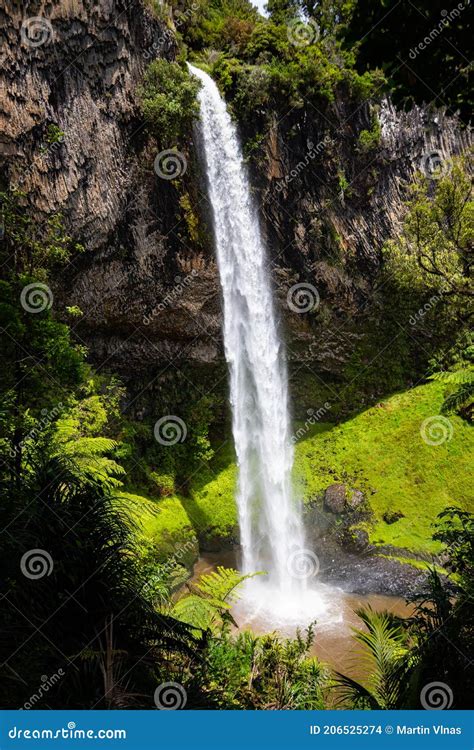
380,451
163,527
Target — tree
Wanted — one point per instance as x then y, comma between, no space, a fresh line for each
169,101
282,11
40,364
423,48
435,250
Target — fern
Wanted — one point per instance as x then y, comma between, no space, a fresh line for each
88,446
209,603
385,656
222,584
461,399
459,377
457,400
197,611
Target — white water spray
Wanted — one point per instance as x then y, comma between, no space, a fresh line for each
271,528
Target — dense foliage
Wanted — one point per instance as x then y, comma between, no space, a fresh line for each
169,101
435,645
276,63
112,517
435,248
305,49
421,48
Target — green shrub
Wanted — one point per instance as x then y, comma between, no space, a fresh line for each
263,672
370,139
162,483
267,40
169,101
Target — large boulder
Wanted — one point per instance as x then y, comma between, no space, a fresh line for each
335,498
354,499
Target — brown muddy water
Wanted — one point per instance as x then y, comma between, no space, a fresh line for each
333,610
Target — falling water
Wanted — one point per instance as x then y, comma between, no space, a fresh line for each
270,522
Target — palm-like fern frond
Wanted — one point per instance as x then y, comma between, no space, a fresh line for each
88,454
455,401
196,611
94,578
384,655
464,376
222,584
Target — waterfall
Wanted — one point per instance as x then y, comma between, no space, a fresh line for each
271,528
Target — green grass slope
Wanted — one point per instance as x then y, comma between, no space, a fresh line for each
382,452
163,528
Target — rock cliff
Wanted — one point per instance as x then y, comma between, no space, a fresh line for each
74,140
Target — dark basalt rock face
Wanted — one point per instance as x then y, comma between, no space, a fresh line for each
149,292
329,206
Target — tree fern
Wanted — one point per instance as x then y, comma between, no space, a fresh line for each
210,599
222,584
87,452
459,377
461,400
198,612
